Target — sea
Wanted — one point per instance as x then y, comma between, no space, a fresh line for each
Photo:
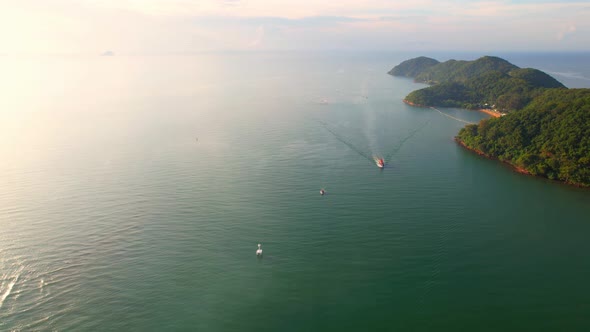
134,191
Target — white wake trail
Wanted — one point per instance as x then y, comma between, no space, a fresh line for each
452,117
8,290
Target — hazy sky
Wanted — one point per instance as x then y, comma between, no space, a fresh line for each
178,26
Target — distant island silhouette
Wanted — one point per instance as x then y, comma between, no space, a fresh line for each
107,53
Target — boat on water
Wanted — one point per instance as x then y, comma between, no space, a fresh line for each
380,162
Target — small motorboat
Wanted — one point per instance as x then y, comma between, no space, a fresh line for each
259,251
380,163
322,192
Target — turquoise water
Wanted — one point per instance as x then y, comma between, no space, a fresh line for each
135,189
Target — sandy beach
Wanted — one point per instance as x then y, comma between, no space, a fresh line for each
490,112
412,104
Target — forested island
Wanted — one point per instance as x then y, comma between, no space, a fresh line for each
546,130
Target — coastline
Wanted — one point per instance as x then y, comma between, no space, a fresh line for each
494,114
412,104
537,169
490,112
515,168
481,153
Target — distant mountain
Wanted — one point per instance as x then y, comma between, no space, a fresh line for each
536,78
413,67
462,71
107,53
483,83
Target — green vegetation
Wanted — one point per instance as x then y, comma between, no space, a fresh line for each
547,130
412,67
462,71
550,137
473,84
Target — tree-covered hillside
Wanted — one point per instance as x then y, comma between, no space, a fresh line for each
473,84
462,71
412,67
505,92
536,78
550,137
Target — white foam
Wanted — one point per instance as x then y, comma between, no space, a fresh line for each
8,290
452,117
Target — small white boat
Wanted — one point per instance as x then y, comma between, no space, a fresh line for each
322,192
259,251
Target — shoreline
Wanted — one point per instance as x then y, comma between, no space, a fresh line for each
414,105
494,114
481,153
490,112
515,168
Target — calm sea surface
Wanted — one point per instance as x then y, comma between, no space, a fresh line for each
134,190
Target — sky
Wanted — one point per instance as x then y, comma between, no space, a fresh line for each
188,26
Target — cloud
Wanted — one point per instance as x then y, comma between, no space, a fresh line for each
309,22
257,41
230,3
565,32
135,26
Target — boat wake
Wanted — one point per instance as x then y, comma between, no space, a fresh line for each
401,143
9,287
346,142
381,162
452,117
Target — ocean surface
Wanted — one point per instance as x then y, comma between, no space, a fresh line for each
134,191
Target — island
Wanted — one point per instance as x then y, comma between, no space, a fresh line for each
539,127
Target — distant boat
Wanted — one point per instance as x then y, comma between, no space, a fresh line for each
322,192
259,251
